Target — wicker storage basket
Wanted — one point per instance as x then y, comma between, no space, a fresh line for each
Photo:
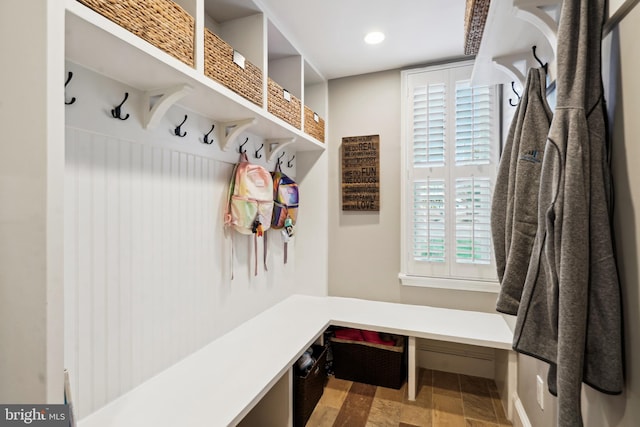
277,104
308,389
162,23
475,17
219,65
313,127
364,362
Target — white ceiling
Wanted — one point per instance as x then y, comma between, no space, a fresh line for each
329,33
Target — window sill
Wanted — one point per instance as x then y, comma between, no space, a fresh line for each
446,283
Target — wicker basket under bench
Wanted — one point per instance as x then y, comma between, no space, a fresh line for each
162,23
365,362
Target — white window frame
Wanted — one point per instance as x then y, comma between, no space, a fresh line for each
438,278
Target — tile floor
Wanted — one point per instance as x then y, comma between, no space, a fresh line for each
444,399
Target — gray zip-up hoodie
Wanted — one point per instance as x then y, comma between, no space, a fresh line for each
514,210
570,310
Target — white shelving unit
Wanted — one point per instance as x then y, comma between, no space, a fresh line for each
97,43
108,59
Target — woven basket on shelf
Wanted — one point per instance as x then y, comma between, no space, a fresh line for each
475,17
219,65
313,127
369,363
279,106
162,23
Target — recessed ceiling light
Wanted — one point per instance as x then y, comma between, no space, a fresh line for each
374,37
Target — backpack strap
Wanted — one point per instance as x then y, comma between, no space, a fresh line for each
287,223
264,251
227,216
285,251
255,253
232,186
231,260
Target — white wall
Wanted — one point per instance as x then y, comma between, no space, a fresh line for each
147,260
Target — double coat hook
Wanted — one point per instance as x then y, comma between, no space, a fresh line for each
69,76
257,154
177,131
206,139
545,65
513,88
116,111
290,162
241,149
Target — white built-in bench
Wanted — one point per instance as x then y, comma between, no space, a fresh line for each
221,383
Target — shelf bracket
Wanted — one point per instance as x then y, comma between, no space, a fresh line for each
275,145
157,102
509,65
532,12
232,129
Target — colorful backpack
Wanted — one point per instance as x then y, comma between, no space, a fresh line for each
250,202
285,205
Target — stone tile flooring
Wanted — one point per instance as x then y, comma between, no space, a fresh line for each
444,399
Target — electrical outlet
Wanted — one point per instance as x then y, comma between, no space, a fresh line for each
540,391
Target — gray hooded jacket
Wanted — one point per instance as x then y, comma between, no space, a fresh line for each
570,310
514,210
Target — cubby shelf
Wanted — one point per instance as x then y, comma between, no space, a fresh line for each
97,43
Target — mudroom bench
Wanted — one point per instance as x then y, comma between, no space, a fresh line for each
229,380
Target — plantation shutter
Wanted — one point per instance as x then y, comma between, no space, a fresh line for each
473,211
429,125
473,124
429,220
450,144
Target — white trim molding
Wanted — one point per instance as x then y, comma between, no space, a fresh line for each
449,283
520,415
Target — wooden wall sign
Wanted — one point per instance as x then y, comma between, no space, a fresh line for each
361,173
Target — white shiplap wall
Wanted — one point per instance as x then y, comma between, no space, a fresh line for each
147,262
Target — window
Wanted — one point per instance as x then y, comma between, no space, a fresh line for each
450,142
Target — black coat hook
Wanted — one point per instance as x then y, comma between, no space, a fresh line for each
545,65
513,88
241,149
257,155
206,139
177,130
290,162
69,76
278,162
116,112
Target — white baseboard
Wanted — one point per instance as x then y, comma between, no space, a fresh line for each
520,418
